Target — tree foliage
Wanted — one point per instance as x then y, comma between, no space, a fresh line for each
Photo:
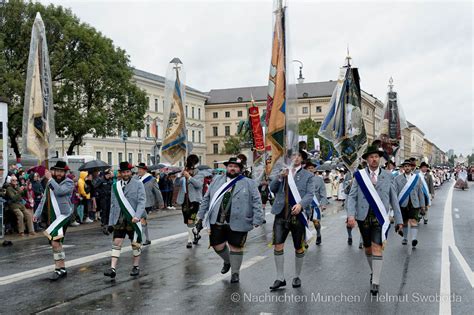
310,128
233,145
93,92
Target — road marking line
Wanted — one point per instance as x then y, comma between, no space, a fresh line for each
218,277
448,238
456,216
465,267
79,261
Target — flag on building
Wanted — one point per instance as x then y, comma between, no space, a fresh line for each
175,140
38,132
154,128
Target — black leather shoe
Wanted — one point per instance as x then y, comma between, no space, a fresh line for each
197,237
264,222
111,272
361,245
374,289
189,245
414,243
296,282
370,278
318,240
349,241
147,243
234,278
278,284
56,275
135,271
425,221
405,241
225,268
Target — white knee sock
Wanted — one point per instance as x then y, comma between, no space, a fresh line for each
377,263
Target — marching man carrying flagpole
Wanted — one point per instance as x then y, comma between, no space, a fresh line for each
371,194
127,208
57,200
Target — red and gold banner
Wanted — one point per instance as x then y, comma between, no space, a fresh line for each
257,131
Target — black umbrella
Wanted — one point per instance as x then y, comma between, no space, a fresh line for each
94,165
155,167
324,167
203,167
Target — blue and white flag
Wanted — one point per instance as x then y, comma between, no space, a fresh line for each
424,187
405,193
316,209
374,201
294,198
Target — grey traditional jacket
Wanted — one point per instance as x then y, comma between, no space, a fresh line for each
304,181
246,207
358,206
416,195
194,188
429,181
153,193
134,191
320,190
63,193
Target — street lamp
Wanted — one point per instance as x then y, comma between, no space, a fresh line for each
300,77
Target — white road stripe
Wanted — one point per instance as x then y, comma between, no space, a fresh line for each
79,261
465,267
448,238
218,277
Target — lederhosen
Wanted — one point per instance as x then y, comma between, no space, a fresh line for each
123,227
285,223
410,212
189,209
221,231
370,228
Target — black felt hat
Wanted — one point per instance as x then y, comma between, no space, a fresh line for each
125,166
234,160
371,150
60,165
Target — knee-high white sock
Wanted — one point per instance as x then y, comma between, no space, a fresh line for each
298,263
236,261
279,263
377,263
405,231
414,232
369,260
146,236
190,233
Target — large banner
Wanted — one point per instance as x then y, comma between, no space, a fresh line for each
257,131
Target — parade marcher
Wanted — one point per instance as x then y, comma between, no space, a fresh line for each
190,196
230,209
57,202
411,199
153,196
127,207
428,188
461,181
288,217
372,193
320,201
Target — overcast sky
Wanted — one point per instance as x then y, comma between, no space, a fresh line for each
426,46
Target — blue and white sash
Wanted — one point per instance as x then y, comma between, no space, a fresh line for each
146,178
294,198
374,201
424,187
316,209
217,197
405,193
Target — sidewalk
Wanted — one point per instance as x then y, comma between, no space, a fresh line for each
88,226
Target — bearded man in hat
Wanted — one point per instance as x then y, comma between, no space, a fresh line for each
57,201
190,196
411,199
288,216
371,195
153,196
428,188
127,208
229,210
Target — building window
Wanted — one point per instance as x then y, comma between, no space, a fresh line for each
215,115
318,109
139,157
215,148
199,113
214,131
239,113
109,158
192,112
130,157
98,155
193,136
148,130
156,105
199,136
227,114
57,153
227,131
305,110
120,157
163,107
148,159
187,111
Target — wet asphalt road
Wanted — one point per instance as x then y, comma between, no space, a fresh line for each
177,280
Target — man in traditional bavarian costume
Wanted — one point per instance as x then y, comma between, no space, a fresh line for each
153,196
372,192
190,196
294,191
57,201
428,188
127,207
411,199
230,209
320,200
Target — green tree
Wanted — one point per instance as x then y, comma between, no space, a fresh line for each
233,145
93,91
310,128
